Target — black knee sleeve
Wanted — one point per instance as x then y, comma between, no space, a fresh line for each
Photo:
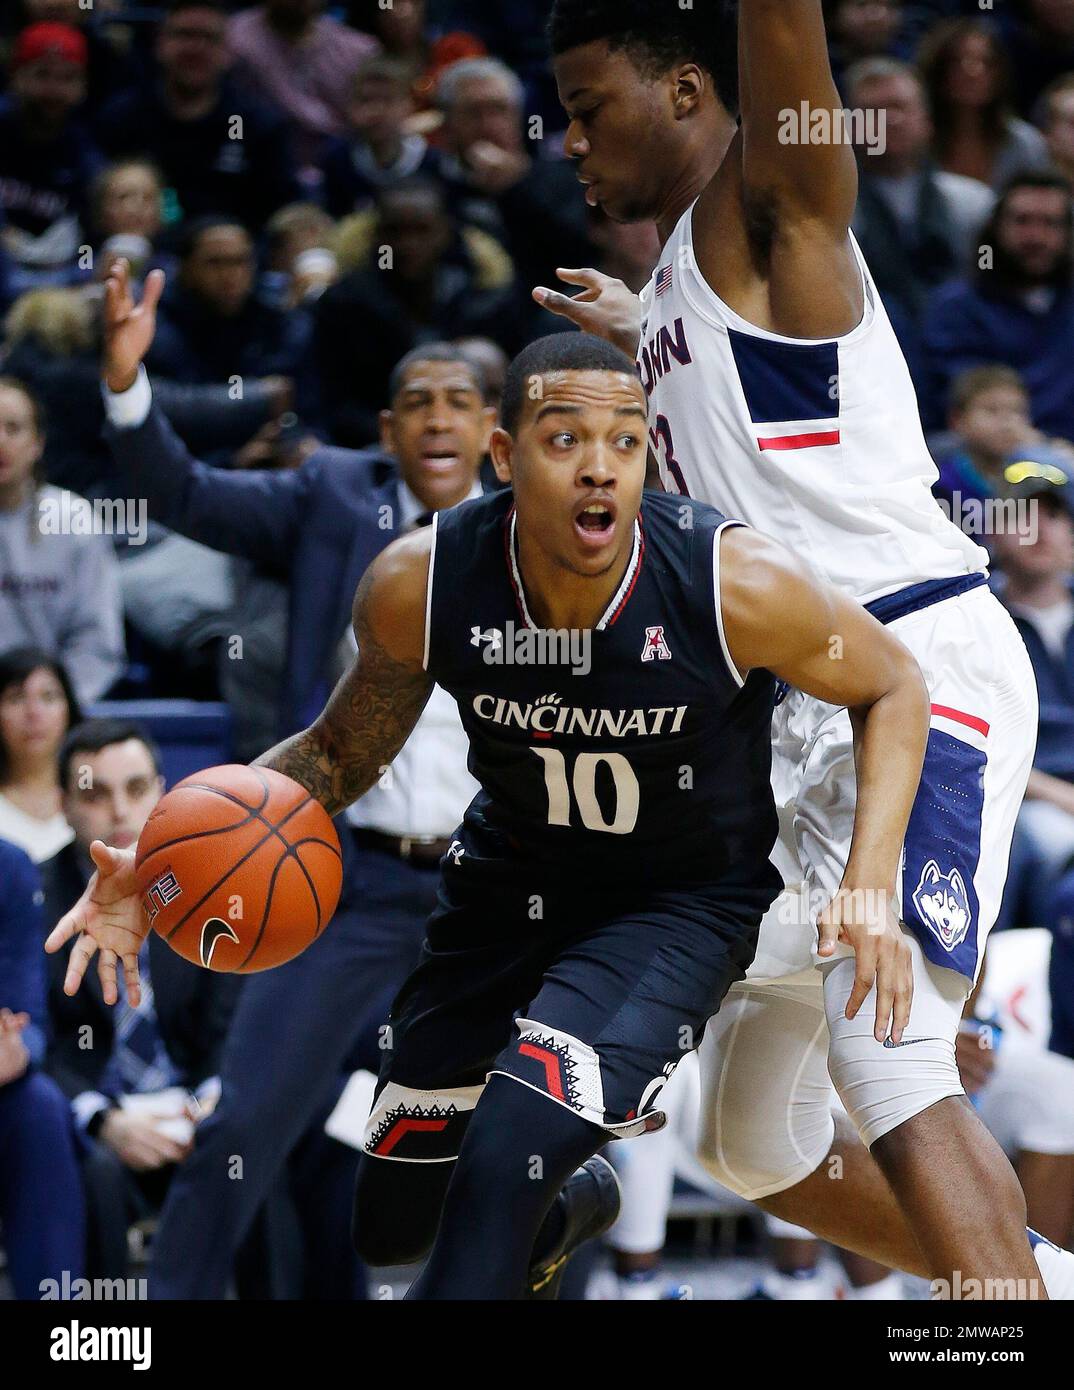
397,1209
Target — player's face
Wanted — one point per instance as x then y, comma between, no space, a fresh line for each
577,464
438,429
110,793
621,130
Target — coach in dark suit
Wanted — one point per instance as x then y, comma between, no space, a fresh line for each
298,1029
109,1060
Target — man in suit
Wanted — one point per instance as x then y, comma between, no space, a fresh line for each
136,1077
300,1028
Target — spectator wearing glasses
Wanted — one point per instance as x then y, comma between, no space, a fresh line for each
218,151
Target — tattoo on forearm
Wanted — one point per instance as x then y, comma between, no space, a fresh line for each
367,720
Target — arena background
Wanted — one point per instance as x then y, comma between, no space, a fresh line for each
326,188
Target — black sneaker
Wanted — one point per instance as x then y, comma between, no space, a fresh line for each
590,1202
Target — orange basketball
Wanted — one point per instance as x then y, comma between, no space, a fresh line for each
239,868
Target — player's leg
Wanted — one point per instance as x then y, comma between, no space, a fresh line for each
291,1031
618,1007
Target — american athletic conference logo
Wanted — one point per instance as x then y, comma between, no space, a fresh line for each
655,647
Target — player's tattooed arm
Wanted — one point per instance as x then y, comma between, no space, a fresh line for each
376,704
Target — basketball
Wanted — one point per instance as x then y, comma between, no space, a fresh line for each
239,869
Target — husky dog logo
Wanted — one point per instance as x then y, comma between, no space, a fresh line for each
944,904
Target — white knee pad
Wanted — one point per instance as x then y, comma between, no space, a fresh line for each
881,1086
766,1099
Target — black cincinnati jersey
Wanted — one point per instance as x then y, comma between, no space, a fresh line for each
630,751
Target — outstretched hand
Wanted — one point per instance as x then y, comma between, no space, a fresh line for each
108,918
605,307
127,327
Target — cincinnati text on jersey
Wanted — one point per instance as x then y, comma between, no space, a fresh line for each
547,716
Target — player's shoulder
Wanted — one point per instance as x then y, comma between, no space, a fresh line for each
471,520
669,513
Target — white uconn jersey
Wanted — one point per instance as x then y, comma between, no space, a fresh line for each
817,443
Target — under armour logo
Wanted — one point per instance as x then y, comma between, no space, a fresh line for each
656,647
455,851
493,637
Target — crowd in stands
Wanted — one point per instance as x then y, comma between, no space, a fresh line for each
351,203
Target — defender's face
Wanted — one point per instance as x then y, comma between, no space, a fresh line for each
620,126
577,464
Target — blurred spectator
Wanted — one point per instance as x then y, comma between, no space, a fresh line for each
217,151
47,160
1017,307
127,217
1039,37
301,62
968,81
536,207
1057,119
917,224
51,345
405,34
300,261
59,587
418,276
860,29
37,707
376,150
990,429
42,1212
213,327
110,68
137,1092
1037,577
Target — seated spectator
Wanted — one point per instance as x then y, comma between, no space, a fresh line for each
37,707
1056,108
1039,38
441,280
214,328
404,33
990,429
917,224
47,161
149,1076
534,206
109,67
59,588
301,62
1016,308
218,151
968,81
1037,578
860,29
300,262
376,150
51,345
127,217
42,1211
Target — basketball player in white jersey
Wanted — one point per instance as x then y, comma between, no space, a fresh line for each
778,392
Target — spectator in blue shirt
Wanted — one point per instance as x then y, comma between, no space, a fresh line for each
1017,308
42,1213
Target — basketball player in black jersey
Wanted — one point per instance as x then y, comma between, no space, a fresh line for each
614,660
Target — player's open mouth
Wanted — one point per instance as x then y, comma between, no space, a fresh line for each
440,461
590,187
595,522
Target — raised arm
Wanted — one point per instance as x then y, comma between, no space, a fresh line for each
780,616
783,62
